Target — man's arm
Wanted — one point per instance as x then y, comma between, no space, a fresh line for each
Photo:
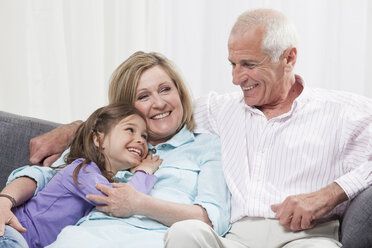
48,147
300,212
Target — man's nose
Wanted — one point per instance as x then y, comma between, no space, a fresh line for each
237,73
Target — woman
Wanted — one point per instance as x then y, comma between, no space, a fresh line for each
190,180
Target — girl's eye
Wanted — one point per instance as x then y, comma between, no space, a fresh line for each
130,129
144,136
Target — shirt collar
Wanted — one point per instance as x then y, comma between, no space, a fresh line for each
297,103
182,137
304,97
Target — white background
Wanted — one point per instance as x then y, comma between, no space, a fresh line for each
56,56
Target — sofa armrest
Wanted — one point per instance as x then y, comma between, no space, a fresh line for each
15,134
356,227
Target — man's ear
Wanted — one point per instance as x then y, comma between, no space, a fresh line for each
97,139
290,58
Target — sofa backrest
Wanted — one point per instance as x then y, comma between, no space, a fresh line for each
15,134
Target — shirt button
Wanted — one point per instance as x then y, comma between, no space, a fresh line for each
152,150
163,145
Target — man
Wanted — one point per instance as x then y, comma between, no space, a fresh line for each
291,154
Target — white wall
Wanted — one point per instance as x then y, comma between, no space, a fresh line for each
56,56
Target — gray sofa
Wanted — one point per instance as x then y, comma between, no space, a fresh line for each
15,134
16,131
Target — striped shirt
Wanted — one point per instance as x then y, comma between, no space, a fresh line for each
326,137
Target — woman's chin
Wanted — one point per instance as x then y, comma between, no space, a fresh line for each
162,132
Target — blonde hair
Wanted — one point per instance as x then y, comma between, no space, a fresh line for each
124,81
279,34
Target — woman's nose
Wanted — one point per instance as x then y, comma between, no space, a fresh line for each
159,102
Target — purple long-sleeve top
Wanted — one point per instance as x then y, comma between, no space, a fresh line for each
62,202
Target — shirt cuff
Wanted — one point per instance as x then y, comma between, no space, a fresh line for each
220,221
41,175
352,183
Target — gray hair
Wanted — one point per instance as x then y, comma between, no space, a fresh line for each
279,35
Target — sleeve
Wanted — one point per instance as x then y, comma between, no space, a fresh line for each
143,182
213,194
41,175
204,114
88,177
357,150
61,160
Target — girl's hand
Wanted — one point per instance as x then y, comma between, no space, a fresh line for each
8,218
150,164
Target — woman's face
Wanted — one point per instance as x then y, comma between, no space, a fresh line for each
158,99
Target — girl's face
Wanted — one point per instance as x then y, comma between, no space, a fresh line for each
126,144
158,99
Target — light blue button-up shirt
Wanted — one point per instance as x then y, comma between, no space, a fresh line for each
191,173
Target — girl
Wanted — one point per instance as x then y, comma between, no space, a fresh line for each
114,138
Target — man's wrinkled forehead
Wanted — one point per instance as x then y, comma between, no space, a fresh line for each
249,39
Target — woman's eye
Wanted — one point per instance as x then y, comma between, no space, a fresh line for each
141,97
129,129
165,89
144,136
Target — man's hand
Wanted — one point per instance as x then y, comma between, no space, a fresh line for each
300,212
120,201
8,218
47,148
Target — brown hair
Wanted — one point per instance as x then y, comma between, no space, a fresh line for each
124,81
100,121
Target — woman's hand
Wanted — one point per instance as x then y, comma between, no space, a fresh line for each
8,218
120,200
47,148
124,201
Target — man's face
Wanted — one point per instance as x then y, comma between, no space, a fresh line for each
261,80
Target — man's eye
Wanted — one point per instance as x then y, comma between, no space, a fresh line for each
233,65
249,65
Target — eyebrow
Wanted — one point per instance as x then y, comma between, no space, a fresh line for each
126,123
246,61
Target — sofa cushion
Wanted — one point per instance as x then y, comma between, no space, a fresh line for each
15,134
